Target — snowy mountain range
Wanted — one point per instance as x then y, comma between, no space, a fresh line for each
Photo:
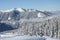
20,13
30,22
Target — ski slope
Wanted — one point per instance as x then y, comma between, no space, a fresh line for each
25,37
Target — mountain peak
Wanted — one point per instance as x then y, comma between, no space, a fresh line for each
9,10
20,9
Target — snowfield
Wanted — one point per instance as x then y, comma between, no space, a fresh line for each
25,37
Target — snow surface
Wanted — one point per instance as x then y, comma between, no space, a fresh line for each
20,9
9,18
25,37
30,10
7,10
41,15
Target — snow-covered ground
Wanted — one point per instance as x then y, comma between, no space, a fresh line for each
25,37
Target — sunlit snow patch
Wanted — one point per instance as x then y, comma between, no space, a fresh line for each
40,15
9,18
20,9
25,37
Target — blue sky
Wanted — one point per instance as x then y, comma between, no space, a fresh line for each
28,4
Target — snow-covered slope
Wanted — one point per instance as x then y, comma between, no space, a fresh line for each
41,15
25,37
20,9
7,10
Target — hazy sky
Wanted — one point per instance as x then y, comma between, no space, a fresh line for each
28,4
